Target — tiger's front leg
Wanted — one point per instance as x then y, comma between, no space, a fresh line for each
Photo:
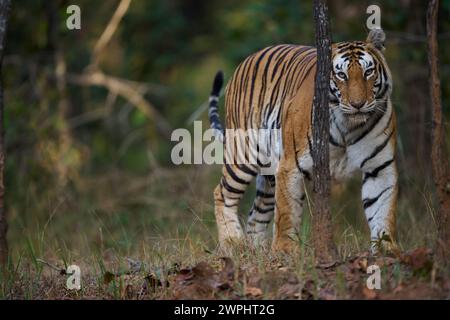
379,197
289,198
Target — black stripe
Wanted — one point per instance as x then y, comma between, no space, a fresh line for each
243,86
383,91
217,84
263,194
246,170
230,188
334,142
309,140
255,73
368,130
388,123
260,210
370,201
269,60
306,174
377,149
234,176
373,216
297,70
270,178
262,221
374,173
280,59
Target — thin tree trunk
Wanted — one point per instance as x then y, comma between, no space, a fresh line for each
325,250
5,7
414,140
439,158
65,140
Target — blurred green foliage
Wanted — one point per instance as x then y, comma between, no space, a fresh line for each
175,47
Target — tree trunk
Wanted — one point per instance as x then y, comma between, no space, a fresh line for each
5,7
439,158
65,143
325,250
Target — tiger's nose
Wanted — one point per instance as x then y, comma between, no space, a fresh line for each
357,104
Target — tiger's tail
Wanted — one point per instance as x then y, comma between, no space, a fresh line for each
213,111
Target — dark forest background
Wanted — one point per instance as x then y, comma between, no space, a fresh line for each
88,166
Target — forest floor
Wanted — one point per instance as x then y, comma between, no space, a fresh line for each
155,238
247,274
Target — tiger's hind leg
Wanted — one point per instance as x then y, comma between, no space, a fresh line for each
289,198
227,195
262,210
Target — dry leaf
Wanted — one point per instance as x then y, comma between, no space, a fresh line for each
419,259
203,282
108,277
327,294
290,291
253,292
369,294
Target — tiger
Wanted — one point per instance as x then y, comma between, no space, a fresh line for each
274,88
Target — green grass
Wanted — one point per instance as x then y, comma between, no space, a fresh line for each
166,219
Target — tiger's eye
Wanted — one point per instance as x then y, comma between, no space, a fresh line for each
342,75
368,72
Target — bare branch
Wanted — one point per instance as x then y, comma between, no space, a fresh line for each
110,29
129,90
61,271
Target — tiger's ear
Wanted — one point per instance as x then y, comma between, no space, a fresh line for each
377,37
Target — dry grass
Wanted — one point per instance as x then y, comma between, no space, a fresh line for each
144,237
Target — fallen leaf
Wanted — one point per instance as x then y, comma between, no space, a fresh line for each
203,282
398,289
419,259
227,272
253,292
385,261
293,289
290,291
327,265
108,277
369,294
361,264
308,290
327,294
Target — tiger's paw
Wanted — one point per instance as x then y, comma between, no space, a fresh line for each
384,245
228,245
257,239
284,245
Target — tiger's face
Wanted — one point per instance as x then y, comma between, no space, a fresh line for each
360,81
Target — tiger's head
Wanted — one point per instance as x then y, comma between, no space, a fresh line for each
360,81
